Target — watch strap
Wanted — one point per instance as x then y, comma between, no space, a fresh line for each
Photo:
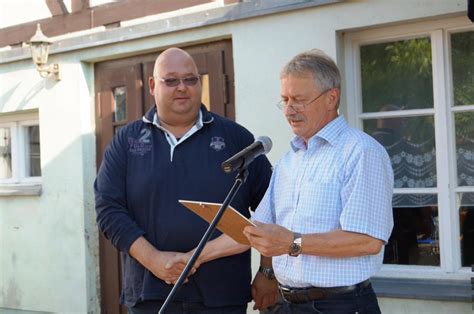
267,272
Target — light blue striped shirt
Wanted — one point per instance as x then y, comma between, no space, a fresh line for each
343,179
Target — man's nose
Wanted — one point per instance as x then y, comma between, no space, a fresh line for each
181,85
288,109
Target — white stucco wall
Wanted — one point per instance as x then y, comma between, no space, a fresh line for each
48,255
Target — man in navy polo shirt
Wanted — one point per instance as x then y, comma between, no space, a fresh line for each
175,152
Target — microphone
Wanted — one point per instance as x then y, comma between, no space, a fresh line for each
262,145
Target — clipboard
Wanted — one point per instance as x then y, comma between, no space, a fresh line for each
232,222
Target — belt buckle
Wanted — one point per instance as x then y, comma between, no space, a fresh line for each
287,294
285,289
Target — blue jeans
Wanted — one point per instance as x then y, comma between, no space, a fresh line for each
152,307
361,301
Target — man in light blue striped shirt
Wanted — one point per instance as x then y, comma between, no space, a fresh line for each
327,213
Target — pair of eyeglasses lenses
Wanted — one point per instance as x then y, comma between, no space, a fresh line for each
296,107
188,81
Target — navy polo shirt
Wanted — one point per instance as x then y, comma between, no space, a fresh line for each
137,190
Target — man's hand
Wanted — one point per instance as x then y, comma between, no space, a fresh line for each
264,291
168,266
269,239
179,261
165,265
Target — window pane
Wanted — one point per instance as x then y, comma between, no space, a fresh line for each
33,161
464,124
5,153
466,219
397,73
462,49
120,106
410,144
415,238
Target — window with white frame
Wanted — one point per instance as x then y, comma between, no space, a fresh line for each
20,158
412,88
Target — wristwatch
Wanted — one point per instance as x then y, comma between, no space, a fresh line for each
267,272
295,247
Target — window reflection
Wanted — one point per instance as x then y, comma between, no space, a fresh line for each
410,144
415,237
33,161
5,153
120,105
464,123
397,72
462,50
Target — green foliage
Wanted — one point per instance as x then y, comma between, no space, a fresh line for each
462,51
464,122
398,73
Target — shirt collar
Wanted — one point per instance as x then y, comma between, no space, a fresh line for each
198,124
330,133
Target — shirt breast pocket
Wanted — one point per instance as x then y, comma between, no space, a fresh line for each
320,206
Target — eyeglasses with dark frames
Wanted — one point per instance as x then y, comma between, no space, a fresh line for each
173,82
297,106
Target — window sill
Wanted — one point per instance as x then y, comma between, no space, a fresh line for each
424,289
21,189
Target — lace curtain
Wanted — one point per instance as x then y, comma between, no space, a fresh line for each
414,166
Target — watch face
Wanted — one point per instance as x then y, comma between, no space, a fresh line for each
295,249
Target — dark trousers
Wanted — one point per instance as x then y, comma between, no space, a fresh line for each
152,307
362,301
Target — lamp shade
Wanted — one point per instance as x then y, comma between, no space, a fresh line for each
39,44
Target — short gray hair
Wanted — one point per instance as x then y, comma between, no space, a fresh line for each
319,64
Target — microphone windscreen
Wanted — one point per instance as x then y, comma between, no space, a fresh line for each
266,143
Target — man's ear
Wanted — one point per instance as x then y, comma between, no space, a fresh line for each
151,85
333,98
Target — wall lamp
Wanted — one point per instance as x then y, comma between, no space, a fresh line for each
39,45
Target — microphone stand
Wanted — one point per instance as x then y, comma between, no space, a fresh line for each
239,180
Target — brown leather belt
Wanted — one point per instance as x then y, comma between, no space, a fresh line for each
303,295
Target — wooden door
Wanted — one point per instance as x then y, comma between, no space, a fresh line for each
122,96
